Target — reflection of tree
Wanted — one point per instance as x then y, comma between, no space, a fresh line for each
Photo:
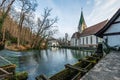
78,54
66,56
75,53
54,49
37,55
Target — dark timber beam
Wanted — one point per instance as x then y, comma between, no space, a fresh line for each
116,22
74,68
4,71
87,61
116,33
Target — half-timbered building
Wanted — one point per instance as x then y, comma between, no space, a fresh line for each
111,32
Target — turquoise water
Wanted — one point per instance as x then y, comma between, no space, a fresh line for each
46,62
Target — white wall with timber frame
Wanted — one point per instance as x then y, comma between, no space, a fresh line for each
112,34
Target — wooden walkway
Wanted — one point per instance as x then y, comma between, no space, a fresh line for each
3,72
107,69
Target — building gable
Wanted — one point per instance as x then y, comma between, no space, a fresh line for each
118,19
112,27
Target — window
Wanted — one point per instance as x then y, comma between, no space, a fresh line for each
83,40
86,40
80,41
91,39
75,42
96,40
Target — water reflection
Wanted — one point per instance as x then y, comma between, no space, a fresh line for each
81,54
46,62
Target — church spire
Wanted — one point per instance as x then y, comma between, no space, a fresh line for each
82,24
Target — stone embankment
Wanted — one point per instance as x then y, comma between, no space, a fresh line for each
107,69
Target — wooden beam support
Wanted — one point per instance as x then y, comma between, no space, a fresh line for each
74,68
116,22
108,34
4,71
87,61
42,77
77,76
4,75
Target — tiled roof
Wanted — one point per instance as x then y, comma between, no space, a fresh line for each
76,35
93,29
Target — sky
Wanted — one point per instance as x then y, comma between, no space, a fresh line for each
69,11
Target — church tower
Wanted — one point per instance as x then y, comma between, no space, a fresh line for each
82,25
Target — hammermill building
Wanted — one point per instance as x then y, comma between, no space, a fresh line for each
85,36
111,31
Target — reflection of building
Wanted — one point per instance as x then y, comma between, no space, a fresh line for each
111,31
54,48
81,54
53,42
85,37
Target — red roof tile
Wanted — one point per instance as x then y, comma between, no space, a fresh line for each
76,35
93,29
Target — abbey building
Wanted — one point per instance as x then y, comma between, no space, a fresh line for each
85,36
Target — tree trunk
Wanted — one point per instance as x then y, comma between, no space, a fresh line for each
3,39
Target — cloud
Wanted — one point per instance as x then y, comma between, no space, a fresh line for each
88,2
102,10
68,12
98,2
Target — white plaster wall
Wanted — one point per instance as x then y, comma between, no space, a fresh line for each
84,40
89,40
113,40
77,42
93,39
72,42
81,40
100,39
118,19
114,28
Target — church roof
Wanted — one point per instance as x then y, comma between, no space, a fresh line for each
82,24
93,29
110,22
76,35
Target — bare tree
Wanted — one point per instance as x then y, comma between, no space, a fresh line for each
31,24
45,28
26,7
66,39
1,3
5,8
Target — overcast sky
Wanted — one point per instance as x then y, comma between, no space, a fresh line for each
68,12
